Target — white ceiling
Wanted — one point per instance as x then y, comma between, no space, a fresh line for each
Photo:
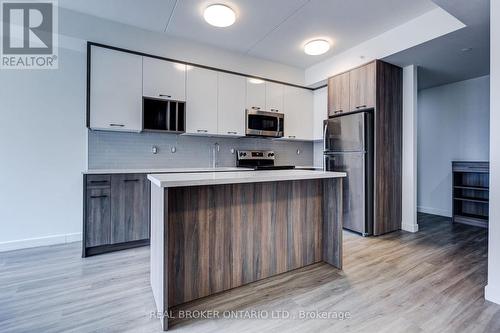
442,60
269,29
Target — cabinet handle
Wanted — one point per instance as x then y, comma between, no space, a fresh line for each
98,181
130,180
162,95
291,136
361,106
255,108
116,125
202,131
98,196
274,110
337,112
232,132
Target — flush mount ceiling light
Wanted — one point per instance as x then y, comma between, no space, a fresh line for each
317,47
219,15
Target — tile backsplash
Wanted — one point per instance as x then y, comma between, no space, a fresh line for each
116,150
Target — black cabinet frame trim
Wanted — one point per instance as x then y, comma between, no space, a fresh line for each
89,50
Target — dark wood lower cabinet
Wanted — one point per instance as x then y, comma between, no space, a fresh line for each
116,212
98,224
129,208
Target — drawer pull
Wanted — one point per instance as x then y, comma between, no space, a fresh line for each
232,132
98,181
338,111
202,131
116,125
167,96
291,136
98,196
255,108
361,106
274,110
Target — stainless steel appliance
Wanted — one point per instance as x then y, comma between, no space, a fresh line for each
264,123
348,147
259,160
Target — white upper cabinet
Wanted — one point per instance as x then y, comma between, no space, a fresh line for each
274,96
201,101
231,104
115,91
256,94
320,105
164,79
299,116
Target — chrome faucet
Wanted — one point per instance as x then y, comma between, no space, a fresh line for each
215,155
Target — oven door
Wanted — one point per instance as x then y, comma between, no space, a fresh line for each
263,123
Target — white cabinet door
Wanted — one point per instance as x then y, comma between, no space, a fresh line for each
201,101
274,96
256,94
164,79
115,91
320,112
298,113
231,102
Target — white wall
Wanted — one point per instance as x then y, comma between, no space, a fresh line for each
409,200
320,114
492,291
42,127
453,124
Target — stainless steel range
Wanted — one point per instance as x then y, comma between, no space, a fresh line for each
259,160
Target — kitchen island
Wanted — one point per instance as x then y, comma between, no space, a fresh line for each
211,232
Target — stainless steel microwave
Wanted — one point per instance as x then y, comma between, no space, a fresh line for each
264,123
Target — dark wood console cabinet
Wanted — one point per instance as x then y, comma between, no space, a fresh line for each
471,193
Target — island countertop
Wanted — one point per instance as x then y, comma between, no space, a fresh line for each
237,177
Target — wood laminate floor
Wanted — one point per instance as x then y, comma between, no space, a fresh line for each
431,281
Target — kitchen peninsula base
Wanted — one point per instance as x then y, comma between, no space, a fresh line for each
210,238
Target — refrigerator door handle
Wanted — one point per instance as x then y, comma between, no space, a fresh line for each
325,127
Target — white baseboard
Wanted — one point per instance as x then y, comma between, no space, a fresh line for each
492,294
434,211
410,227
40,241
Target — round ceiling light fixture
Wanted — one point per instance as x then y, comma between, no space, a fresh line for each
219,15
317,47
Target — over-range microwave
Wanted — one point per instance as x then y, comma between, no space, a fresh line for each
264,123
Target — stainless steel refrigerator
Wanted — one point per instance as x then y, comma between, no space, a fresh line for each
348,147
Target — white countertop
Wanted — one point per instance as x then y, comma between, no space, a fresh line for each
176,170
236,177
165,170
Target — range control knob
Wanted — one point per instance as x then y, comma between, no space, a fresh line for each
270,154
243,154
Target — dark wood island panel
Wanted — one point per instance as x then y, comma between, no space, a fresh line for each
219,237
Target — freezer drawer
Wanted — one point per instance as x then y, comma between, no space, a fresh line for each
356,193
